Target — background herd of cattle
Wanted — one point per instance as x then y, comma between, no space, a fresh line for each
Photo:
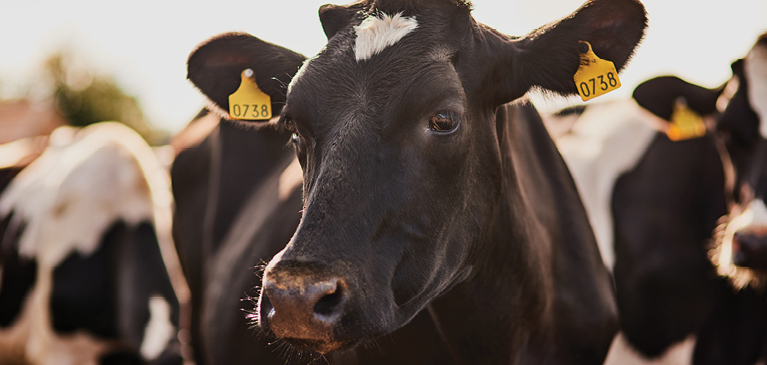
90,274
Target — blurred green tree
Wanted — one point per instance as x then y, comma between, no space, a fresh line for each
84,97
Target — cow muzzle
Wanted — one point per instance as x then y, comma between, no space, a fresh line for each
749,248
304,308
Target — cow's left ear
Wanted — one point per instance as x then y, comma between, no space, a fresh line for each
549,56
216,65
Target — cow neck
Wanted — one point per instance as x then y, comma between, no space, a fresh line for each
491,315
242,158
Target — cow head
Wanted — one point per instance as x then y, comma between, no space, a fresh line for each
394,126
741,250
659,96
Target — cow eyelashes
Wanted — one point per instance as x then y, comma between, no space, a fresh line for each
444,122
295,138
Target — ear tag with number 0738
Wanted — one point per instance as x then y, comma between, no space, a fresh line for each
249,102
595,76
685,123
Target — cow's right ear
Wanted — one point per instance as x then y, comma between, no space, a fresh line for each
659,95
216,65
335,17
549,56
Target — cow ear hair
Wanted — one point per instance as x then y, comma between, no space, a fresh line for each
549,56
658,96
335,18
215,66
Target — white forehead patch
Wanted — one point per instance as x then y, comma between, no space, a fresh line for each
756,74
375,34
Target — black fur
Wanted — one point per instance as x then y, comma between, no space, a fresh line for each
481,227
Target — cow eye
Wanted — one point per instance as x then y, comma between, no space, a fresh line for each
287,122
444,122
295,138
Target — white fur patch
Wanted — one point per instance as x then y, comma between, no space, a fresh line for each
71,194
622,353
159,330
755,68
375,34
68,197
607,140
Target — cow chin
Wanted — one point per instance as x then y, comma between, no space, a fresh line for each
334,305
318,346
315,335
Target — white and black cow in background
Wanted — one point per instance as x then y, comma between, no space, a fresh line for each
84,241
434,213
740,247
653,204
238,200
741,253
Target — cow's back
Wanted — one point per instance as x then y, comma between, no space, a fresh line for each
86,246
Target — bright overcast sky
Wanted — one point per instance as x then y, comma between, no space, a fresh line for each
144,43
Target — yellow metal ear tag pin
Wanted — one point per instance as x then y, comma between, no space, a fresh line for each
249,102
685,123
595,76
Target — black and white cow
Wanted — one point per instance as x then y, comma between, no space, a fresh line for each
235,206
653,203
85,237
739,248
742,250
433,211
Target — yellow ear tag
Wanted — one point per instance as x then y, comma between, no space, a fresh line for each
595,76
685,123
249,102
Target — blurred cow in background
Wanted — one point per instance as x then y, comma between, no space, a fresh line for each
85,249
740,244
238,200
741,252
653,203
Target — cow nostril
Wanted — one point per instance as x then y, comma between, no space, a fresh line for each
745,240
329,306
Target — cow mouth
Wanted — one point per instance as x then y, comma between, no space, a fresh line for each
310,342
723,252
319,346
